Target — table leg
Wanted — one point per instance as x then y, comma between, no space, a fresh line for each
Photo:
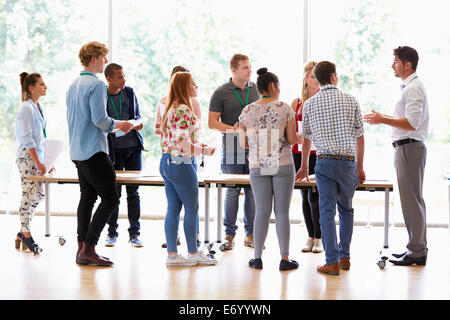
47,209
206,213
386,218
219,212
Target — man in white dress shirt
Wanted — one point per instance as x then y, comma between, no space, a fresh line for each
409,131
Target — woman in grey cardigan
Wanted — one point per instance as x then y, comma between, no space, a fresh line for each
267,129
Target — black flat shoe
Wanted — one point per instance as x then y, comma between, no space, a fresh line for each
256,263
399,255
409,261
288,265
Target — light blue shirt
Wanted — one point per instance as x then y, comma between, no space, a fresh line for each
87,118
30,125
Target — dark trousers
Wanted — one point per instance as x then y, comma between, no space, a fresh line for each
96,178
127,159
310,200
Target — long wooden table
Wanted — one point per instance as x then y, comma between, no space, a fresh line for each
242,180
71,177
220,181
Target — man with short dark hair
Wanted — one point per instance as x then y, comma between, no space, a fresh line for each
332,121
88,124
124,150
225,108
409,131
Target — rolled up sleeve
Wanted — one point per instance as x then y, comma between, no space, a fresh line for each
306,130
26,123
97,104
359,123
414,106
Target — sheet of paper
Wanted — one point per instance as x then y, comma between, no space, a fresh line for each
52,150
135,123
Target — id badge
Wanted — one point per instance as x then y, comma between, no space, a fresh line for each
120,133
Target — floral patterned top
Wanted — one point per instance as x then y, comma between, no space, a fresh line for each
266,133
181,125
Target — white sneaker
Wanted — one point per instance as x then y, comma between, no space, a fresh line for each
317,247
179,260
309,245
200,258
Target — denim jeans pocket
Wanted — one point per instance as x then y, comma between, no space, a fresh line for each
173,169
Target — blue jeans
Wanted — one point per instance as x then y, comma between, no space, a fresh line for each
237,163
127,159
336,181
181,186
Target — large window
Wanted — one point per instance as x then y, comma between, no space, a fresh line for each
359,36
148,39
44,37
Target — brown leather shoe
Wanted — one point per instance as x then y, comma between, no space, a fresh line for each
344,263
88,256
249,242
80,246
229,244
332,269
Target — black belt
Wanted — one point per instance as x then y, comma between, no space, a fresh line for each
403,141
336,157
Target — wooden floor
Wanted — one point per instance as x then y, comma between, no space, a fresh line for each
141,273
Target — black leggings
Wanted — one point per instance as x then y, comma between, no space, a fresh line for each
310,200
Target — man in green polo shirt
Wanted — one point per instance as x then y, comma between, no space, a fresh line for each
225,107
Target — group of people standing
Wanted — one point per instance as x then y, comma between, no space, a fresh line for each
261,137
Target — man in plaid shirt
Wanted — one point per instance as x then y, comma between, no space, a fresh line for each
332,121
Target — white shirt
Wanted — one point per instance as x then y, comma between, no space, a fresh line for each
332,121
413,105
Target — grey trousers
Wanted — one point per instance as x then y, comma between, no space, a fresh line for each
409,161
272,187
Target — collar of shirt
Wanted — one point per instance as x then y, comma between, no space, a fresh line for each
87,72
408,80
327,87
233,86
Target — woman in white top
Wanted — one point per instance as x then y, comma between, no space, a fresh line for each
160,106
267,129
30,134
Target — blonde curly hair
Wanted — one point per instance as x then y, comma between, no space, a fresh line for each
91,50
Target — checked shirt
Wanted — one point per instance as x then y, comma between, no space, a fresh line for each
332,121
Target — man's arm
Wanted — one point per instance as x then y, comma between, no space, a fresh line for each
215,124
243,140
304,169
360,159
378,118
138,113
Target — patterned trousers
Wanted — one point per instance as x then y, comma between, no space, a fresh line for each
32,191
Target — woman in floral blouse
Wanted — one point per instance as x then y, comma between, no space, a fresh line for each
267,128
179,143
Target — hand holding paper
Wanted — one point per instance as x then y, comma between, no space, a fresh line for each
52,150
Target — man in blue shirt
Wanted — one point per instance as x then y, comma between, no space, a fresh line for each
124,149
88,124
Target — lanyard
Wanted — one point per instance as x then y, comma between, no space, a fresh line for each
42,115
87,74
114,106
239,97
